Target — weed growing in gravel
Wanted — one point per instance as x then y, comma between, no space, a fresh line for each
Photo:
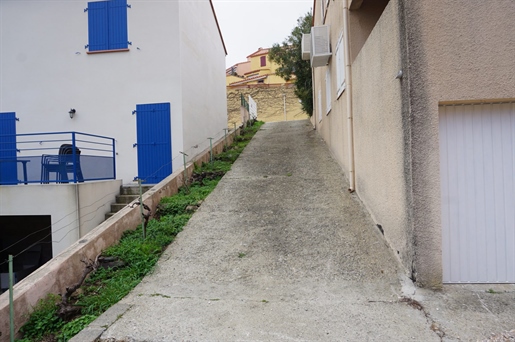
106,287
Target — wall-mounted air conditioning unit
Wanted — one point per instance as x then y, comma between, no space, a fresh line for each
320,46
306,46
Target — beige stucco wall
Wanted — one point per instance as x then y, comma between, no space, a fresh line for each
459,50
362,22
333,126
379,133
449,51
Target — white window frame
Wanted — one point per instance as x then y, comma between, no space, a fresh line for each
322,12
340,66
319,104
328,89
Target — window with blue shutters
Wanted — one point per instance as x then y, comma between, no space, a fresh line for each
107,25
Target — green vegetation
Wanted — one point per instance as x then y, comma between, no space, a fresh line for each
44,319
289,57
106,286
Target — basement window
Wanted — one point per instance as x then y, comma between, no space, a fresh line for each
29,240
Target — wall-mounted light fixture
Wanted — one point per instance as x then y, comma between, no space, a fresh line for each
72,113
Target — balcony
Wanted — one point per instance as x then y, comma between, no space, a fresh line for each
56,157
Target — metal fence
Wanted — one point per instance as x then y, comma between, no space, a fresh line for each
56,157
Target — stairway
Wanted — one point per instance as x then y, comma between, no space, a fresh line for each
127,195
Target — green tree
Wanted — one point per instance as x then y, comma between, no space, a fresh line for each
288,56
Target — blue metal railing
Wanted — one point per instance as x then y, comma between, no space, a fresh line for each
56,157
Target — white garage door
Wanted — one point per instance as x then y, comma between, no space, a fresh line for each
477,168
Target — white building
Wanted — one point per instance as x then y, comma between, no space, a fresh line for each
150,75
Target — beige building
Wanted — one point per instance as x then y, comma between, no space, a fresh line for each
416,100
256,77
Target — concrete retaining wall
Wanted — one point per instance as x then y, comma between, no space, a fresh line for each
65,269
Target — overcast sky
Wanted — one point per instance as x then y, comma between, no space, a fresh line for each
250,24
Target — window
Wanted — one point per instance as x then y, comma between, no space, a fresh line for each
340,66
328,89
263,61
107,25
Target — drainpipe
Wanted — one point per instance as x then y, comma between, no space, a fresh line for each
348,90
313,96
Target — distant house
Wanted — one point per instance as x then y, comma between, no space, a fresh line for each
257,70
125,74
273,94
416,100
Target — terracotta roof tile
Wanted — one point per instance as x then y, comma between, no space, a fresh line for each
249,79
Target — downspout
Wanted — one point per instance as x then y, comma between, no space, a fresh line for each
313,115
348,90
314,122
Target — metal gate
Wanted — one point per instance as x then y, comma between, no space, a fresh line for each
477,168
154,142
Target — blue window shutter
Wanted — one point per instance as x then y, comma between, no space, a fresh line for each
117,14
8,170
98,26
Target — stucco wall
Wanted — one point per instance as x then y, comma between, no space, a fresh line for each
458,51
333,126
381,179
362,22
449,51
57,201
202,58
45,71
67,205
94,201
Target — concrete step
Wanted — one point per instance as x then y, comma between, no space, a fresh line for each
116,207
134,189
126,198
127,195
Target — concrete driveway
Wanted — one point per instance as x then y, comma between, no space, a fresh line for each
280,251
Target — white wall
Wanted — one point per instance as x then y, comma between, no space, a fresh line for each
94,201
45,71
57,201
67,205
203,75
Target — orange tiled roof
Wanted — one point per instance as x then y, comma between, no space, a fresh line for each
249,79
259,52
